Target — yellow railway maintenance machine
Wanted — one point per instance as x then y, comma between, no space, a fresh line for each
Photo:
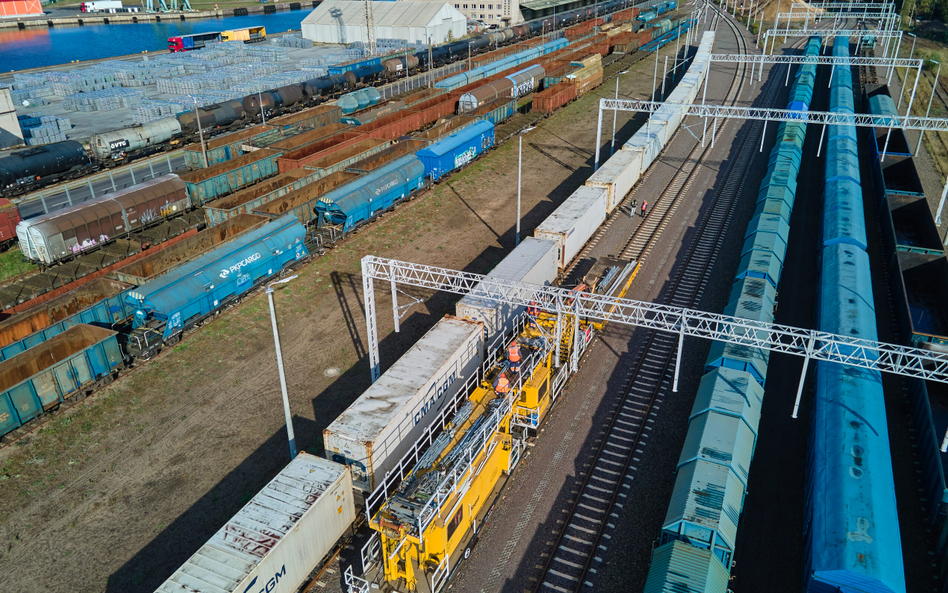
427,511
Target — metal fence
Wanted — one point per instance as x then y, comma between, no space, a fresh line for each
421,81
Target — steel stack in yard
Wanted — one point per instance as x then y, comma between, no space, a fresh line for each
280,535
699,532
373,434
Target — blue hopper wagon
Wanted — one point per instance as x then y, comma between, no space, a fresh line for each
182,298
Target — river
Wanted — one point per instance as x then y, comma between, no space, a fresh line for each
41,46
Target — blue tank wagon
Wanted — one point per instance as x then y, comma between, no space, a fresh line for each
69,365
353,204
177,301
457,150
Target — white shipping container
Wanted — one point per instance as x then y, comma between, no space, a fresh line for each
574,222
376,431
534,261
278,538
646,142
617,176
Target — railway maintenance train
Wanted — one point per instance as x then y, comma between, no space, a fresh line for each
32,169
430,462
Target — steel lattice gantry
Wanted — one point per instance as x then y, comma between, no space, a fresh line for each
809,344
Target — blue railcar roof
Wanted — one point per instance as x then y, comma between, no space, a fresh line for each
721,439
732,392
846,305
446,145
707,495
679,567
344,190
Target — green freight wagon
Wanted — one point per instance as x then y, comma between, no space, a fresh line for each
214,182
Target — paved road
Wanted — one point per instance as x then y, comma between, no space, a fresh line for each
103,184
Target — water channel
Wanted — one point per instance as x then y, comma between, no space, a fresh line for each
35,47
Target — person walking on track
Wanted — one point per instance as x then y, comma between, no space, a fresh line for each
644,208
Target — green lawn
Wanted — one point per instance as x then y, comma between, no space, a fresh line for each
12,264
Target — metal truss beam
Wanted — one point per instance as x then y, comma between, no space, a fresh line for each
862,7
809,344
818,60
831,33
860,120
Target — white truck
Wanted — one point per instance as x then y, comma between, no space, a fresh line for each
101,6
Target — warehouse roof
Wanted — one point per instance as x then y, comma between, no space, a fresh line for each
386,14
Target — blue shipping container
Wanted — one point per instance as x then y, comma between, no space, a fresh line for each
197,289
357,202
43,377
456,150
343,68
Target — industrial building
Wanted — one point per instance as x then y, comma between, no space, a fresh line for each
10,133
413,22
19,8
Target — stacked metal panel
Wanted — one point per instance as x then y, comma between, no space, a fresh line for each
700,529
852,526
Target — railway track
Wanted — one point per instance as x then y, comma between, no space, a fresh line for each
596,498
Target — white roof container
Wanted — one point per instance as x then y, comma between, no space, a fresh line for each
574,222
278,538
617,176
376,431
534,261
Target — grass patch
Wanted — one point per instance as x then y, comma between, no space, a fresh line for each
12,264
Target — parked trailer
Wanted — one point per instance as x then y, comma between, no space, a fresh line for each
100,302
457,150
244,201
223,148
205,185
317,117
340,159
279,537
534,261
373,434
152,266
166,307
301,202
68,365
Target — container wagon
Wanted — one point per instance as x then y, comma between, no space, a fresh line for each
278,537
175,302
534,261
67,366
574,222
373,434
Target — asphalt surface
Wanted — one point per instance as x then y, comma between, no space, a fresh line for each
80,191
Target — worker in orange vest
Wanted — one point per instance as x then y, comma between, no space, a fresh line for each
513,355
644,207
501,384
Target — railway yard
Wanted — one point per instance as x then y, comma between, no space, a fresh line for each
577,437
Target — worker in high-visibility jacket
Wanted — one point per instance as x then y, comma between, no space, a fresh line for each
513,355
501,384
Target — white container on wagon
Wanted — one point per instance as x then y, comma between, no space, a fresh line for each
376,431
617,176
648,143
574,222
534,261
278,538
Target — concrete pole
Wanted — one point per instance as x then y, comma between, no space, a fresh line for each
655,76
519,176
197,118
279,356
911,53
892,67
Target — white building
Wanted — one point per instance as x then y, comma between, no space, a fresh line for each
502,13
337,21
10,133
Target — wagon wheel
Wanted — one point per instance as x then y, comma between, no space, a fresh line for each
173,340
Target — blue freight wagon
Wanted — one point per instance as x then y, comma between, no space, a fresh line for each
218,180
501,113
343,68
68,365
175,302
456,150
100,303
357,202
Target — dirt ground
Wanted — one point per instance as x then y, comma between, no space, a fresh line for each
119,491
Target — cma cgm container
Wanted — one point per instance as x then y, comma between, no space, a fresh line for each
278,538
457,150
534,261
575,221
379,427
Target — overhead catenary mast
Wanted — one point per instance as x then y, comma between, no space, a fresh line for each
370,46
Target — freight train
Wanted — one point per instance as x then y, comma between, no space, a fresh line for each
454,416
30,170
